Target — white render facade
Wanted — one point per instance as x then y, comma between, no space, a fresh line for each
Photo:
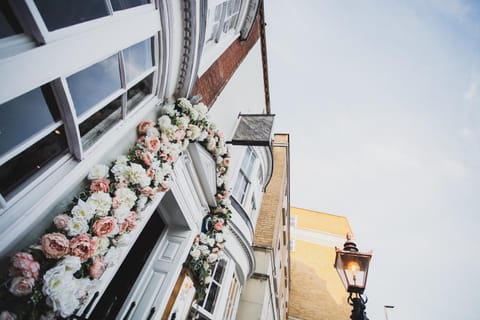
74,88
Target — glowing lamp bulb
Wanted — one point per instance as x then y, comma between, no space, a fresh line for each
354,267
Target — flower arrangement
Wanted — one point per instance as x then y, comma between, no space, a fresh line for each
56,276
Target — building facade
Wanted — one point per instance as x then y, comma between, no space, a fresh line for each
91,87
317,291
266,293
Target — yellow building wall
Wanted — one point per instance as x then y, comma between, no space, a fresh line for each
316,292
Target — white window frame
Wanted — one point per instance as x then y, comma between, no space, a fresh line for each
251,159
63,42
213,49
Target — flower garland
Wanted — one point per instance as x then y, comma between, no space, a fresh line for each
56,276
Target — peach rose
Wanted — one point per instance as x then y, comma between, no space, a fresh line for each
83,247
219,196
97,268
151,172
131,220
123,227
104,227
21,286
144,125
55,245
215,250
218,226
152,144
179,134
147,191
100,185
61,221
147,158
23,264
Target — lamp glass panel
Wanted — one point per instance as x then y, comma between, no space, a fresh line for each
353,269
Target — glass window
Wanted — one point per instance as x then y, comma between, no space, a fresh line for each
126,4
240,189
95,83
99,123
138,58
214,288
232,299
18,169
139,91
9,25
24,116
63,13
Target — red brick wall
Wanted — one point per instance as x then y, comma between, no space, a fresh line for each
212,82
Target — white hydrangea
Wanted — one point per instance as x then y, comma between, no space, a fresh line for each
212,257
126,197
182,122
184,104
219,237
121,213
195,253
83,210
142,201
101,201
193,132
204,249
100,171
121,165
136,174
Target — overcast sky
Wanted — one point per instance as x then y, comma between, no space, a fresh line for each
382,100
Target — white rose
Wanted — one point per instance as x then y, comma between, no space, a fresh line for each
101,201
99,171
153,132
70,264
55,280
113,256
204,250
121,213
102,245
211,242
164,123
182,122
203,238
219,237
208,279
195,253
77,226
142,201
212,257
201,109
168,109
203,135
123,240
83,210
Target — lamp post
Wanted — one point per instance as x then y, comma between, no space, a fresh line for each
352,267
385,310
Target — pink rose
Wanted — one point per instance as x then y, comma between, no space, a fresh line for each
222,169
115,203
164,186
220,245
100,185
96,268
179,134
226,162
21,286
219,196
61,221
151,172
144,125
171,158
5,315
152,143
164,139
131,220
147,191
123,227
147,158
55,245
215,250
218,226
23,264
104,227
83,247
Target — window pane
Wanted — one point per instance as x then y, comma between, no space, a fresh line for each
9,25
63,13
136,94
99,123
125,4
211,298
95,83
219,271
138,58
31,161
24,116
240,188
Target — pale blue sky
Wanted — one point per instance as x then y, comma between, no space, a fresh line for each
382,100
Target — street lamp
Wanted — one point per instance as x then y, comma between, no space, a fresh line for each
352,267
